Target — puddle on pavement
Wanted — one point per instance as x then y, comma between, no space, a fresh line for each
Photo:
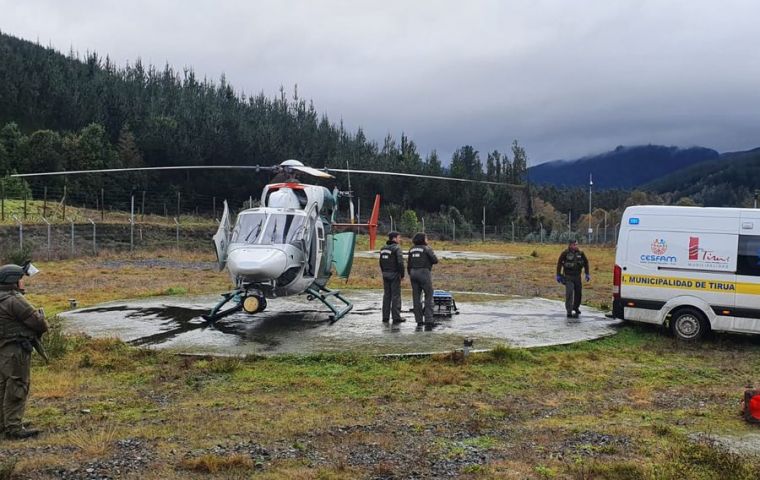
295,326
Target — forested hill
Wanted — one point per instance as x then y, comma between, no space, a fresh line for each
728,182
61,112
624,167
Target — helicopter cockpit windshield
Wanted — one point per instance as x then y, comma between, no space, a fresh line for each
268,228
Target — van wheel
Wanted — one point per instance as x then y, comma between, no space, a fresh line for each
688,325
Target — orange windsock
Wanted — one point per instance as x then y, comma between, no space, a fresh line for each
372,225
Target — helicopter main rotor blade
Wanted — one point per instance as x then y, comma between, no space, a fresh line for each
147,169
312,171
417,175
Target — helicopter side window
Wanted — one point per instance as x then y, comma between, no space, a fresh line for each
248,228
295,231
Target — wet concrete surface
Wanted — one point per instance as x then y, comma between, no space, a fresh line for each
446,255
294,325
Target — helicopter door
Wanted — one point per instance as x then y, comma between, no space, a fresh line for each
222,238
343,253
317,252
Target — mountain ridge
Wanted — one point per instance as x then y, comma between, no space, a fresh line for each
622,167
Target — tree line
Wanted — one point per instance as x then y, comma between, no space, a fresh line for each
63,112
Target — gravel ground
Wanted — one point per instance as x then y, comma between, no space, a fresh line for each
416,454
748,444
130,458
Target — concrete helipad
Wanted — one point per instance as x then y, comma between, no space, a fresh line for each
295,326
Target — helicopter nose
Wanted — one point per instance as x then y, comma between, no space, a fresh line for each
257,264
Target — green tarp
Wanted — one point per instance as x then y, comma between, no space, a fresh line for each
343,253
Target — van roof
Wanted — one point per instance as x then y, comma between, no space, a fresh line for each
695,211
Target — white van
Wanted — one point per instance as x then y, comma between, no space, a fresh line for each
694,269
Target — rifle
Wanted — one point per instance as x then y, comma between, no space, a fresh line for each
37,344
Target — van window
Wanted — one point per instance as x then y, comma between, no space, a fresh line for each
749,255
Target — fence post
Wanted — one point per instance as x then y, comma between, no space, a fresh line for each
20,232
391,222
94,236
513,232
48,236
73,251
541,226
132,225
177,223
423,225
616,232
484,224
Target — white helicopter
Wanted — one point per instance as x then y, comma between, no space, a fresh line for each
288,245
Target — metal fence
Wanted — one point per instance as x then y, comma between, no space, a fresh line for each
59,223
75,239
87,237
509,232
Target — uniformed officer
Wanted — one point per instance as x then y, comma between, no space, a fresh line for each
392,267
569,267
420,264
21,327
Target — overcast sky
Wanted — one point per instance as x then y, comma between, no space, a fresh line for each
564,78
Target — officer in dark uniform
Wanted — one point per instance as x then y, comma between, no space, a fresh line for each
420,264
21,327
392,266
569,267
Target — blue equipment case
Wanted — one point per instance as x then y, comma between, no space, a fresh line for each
444,304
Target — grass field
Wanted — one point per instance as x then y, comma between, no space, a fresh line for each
636,405
34,210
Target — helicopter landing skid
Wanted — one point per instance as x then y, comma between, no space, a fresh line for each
215,314
323,294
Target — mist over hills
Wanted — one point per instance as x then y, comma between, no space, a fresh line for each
623,167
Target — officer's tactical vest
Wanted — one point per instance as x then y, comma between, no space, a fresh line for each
418,258
388,260
11,328
573,263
